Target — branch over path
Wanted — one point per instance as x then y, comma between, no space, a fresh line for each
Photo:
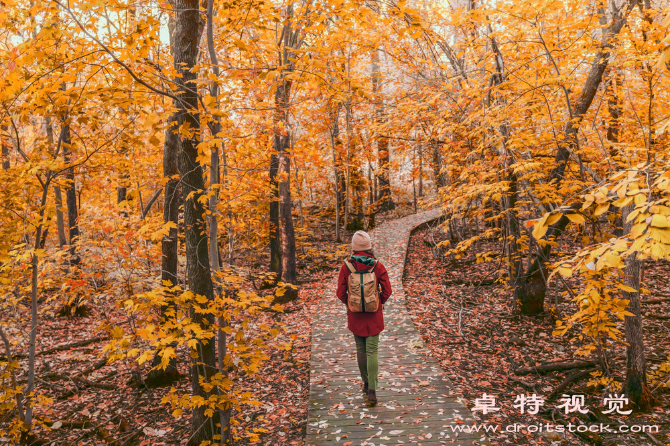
417,402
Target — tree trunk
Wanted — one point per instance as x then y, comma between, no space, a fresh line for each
289,273
414,169
334,134
60,221
371,199
170,241
5,147
437,166
354,216
32,343
275,247
384,189
121,192
527,299
635,387
357,216
71,196
282,140
169,247
420,170
613,127
188,30
214,180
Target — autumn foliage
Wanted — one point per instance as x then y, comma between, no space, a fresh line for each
167,167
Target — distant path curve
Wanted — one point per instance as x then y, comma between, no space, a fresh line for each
417,401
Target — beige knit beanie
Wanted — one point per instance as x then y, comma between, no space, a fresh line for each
361,241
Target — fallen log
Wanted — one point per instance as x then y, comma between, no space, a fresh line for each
658,316
61,348
487,282
523,383
573,377
84,382
656,301
98,365
75,424
554,367
64,347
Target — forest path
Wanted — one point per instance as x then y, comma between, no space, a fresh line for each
417,403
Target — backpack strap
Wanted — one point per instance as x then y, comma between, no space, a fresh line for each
350,267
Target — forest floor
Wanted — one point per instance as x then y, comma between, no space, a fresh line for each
108,410
478,358
470,330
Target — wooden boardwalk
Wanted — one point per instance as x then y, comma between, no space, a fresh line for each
417,403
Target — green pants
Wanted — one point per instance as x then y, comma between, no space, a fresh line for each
368,363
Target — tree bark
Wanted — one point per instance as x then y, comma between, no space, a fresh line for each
525,300
384,189
437,166
635,387
5,147
71,196
170,241
613,128
354,181
187,33
282,140
275,239
214,180
372,209
289,273
420,150
169,247
32,343
334,134
60,221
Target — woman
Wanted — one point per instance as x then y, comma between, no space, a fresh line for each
365,326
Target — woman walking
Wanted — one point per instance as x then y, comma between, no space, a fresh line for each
361,278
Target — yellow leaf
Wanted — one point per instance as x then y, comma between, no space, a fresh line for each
565,272
660,221
613,260
541,227
553,218
637,230
601,209
627,288
576,218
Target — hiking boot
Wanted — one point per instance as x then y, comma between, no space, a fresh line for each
365,388
372,397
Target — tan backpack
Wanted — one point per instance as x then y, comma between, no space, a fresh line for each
362,288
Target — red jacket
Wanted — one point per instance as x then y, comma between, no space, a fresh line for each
364,324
